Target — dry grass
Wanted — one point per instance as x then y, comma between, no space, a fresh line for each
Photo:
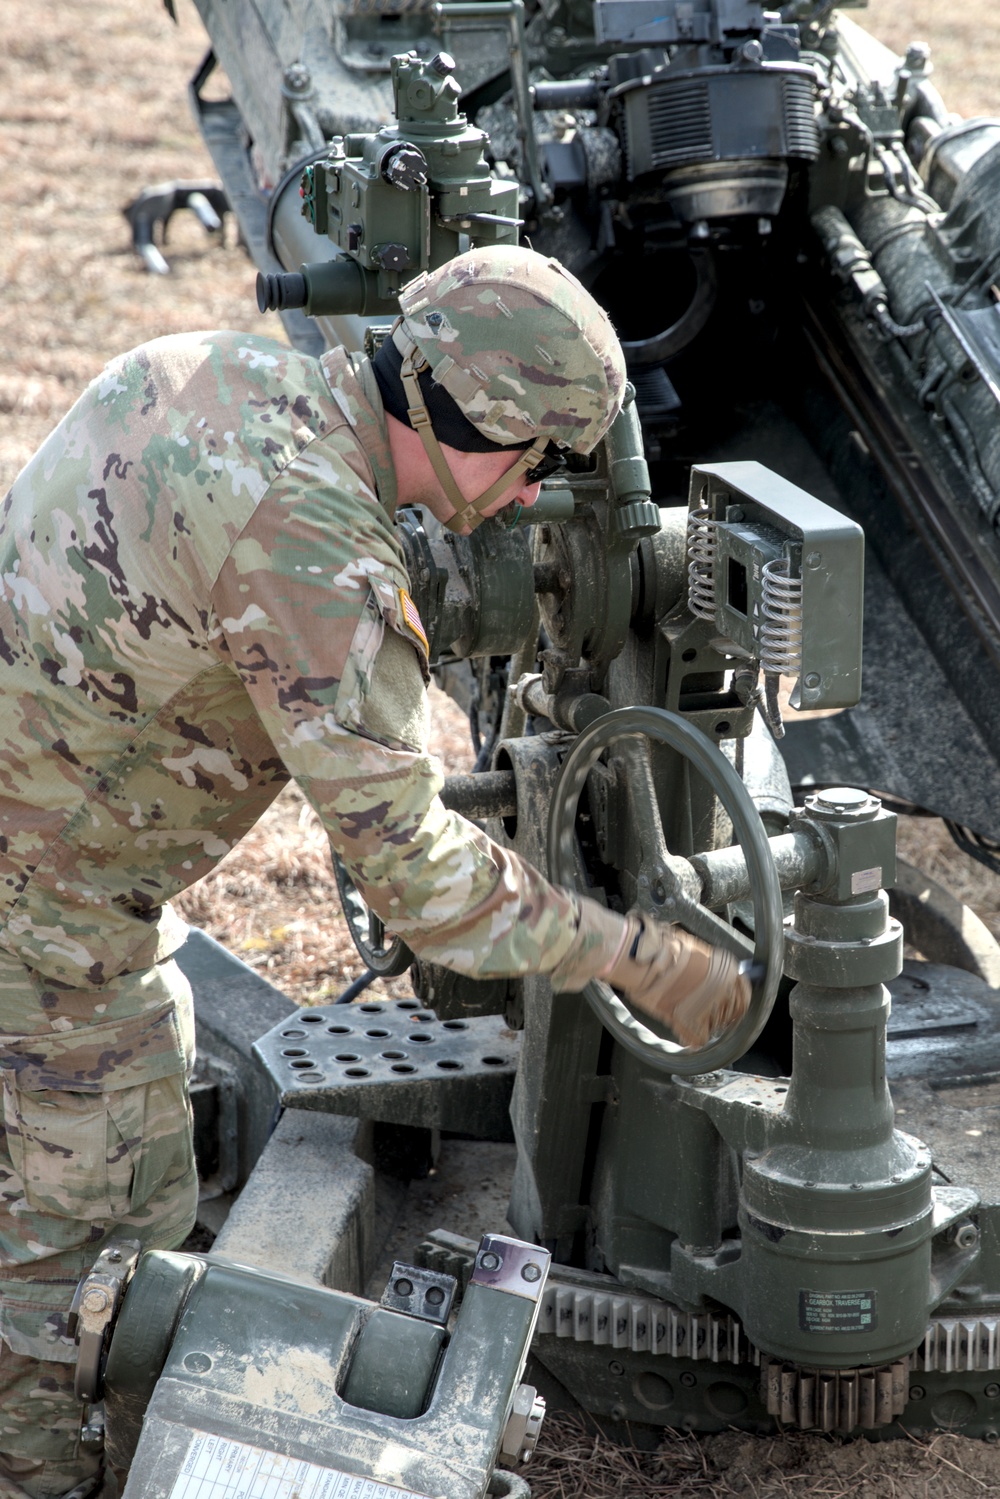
574,1460
926,842
92,108
965,45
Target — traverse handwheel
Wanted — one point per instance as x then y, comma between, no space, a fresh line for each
768,947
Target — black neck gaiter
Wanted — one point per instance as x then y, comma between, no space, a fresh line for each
450,426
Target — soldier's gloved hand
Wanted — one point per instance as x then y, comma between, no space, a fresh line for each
695,989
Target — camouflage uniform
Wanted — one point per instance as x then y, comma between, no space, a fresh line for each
201,595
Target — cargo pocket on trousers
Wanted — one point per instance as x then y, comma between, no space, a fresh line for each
96,1156
155,1135
33,1320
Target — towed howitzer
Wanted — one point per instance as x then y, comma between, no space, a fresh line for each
796,242
738,1236
747,1245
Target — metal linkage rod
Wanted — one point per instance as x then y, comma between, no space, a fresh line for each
799,857
492,793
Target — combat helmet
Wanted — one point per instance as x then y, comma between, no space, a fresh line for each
524,351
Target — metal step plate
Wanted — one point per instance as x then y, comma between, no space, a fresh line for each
395,1061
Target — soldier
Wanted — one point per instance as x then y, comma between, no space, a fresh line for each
202,595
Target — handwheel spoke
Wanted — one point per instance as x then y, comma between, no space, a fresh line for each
668,884
703,923
376,932
662,876
367,929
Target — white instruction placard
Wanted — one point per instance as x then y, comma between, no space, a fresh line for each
218,1468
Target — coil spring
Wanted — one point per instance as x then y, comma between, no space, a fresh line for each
702,544
781,625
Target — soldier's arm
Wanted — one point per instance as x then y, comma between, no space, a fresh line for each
314,624
341,696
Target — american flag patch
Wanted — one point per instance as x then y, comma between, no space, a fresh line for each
408,610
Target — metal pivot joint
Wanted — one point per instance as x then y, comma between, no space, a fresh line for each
837,1211
93,1310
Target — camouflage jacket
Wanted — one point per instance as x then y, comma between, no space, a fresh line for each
202,595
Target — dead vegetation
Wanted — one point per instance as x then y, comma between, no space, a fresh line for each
574,1460
92,108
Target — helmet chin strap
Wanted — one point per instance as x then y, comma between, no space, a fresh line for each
467,512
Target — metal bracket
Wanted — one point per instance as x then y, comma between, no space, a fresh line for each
93,1309
215,1097
428,1294
505,1264
157,205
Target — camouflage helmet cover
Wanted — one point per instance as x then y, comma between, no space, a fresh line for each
519,344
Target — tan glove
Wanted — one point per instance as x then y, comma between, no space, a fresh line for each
694,989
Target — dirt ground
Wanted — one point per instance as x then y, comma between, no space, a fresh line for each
92,109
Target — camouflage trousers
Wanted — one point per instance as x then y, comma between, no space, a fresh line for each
97,1144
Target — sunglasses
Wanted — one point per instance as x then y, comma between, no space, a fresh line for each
550,463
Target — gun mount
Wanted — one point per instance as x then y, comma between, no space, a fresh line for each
372,1399
797,243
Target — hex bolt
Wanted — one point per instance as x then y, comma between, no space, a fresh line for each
403,1287
966,1236
434,1296
96,1299
114,1256
917,57
298,78
531,1271
489,1261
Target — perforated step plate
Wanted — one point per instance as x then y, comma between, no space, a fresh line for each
397,1062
